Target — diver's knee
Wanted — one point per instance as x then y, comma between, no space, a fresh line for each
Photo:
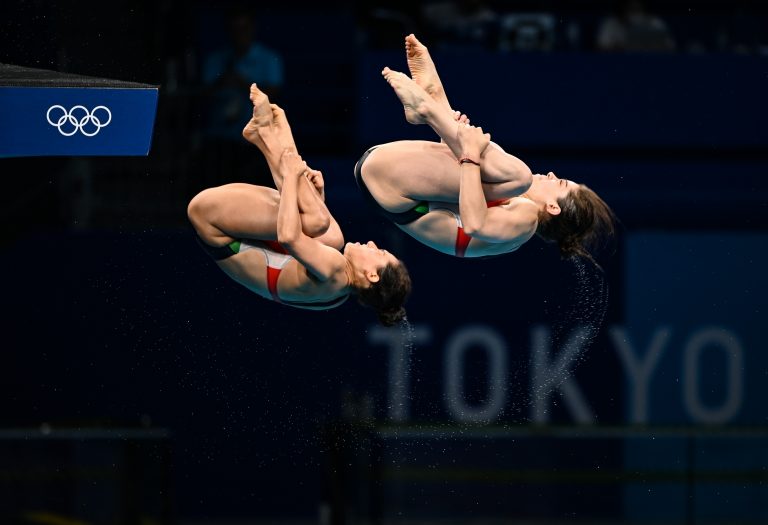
200,205
372,166
525,175
315,225
194,208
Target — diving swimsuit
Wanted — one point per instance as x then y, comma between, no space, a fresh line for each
276,258
462,239
421,209
403,217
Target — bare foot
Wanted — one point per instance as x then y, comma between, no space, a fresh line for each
416,101
282,128
262,119
423,69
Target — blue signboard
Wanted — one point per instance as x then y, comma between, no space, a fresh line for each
53,121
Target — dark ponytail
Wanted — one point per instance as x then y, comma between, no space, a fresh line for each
387,295
585,222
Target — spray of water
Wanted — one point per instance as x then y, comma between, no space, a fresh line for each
578,319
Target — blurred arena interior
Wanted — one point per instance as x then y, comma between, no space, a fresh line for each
142,387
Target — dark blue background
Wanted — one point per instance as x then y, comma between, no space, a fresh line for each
114,318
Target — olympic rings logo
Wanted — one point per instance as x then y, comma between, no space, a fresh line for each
79,119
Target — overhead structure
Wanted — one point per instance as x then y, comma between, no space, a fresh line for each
47,113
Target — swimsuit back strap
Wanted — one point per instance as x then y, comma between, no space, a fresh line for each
275,247
497,202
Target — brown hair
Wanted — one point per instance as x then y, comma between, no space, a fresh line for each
584,223
387,295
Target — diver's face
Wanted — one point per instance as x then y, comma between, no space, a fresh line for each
368,257
551,188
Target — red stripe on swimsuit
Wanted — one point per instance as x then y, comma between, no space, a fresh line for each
497,202
276,258
275,247
462,239
273,274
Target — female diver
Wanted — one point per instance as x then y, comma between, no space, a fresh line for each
283,244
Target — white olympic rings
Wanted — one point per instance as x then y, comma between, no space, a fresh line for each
78,123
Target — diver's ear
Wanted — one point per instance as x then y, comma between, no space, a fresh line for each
553,208
373,276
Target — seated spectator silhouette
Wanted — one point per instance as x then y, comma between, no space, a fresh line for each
461,23
527,32
744,29
229,71
632,28
382,24
226,73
